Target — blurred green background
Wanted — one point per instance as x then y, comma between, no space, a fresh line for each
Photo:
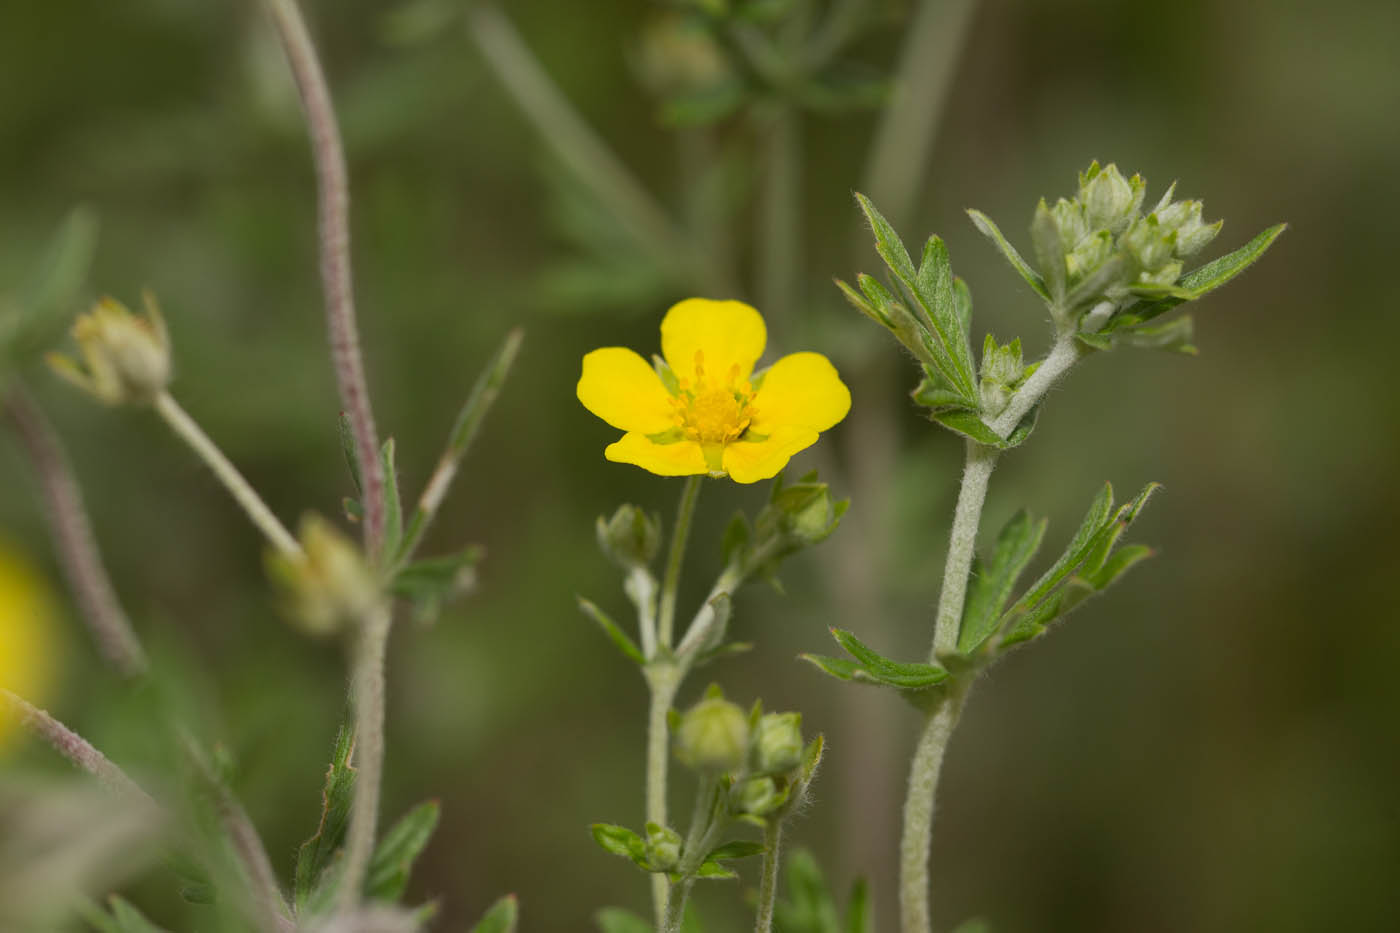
1210,747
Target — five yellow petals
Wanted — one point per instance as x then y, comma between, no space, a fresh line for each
720,417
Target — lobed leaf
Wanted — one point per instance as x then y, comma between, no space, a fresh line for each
394,857
619,840
990,230
317,854
991,584
615,634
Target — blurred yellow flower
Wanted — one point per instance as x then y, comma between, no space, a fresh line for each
704,410
26,620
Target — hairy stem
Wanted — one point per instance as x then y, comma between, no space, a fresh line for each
768,882
1063,355
73,536
190,432
670,584
74,747
918,814
333,219
663,680
369,753
962,545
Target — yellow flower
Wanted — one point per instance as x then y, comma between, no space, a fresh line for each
26,615
717,415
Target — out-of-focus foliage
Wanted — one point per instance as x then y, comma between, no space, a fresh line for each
1205,749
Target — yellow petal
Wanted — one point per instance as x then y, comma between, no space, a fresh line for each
683,458
800,389
751,461
728,333
620,387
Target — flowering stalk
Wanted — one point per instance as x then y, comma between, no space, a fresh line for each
190,432
369,752
334,222
670,584
74,747
73,536
768,881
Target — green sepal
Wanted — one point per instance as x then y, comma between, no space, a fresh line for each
992,583
397,851
500,918
619,840
666,374
318,854
615,634
970,425
1049,252
990,230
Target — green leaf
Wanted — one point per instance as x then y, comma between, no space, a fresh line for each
992,584
840,668
962,304
397,851
992,232
715,871
970,425
936,394
501,918
615,634
127,919
1175,336
619,840
347,450
809,907
47,301
393,510
931,286
1049,252
1119,563
736,849
1073,555
876,668
317,854
437,577
617,920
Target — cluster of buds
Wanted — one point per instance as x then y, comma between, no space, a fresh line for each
327,586
797,516
125,357
1002,373
760,756
1107,248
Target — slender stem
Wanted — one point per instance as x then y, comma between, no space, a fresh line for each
663,679
74,747
981,460
73,537
698,840
768,883
579,148
677,896
333,218
907,127
190,432
369,752
1064,354
918,814
670,584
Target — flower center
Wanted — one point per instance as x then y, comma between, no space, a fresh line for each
713,411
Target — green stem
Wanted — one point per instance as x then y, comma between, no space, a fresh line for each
703,827
671,582
768,883
190,432
663,680
369,753
74,747
1064,354
981,460
918,814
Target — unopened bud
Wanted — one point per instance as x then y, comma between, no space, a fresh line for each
1109,199
328,585
757,796
125,358
1192,232
663,851
713,736
777,743
630,538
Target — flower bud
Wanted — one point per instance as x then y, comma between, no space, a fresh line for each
757,796
1192,232
328,586
1109,199
1091,253
125,358
713,736
663,851
777,743
1002,373
1070,221
1149,243
630,538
